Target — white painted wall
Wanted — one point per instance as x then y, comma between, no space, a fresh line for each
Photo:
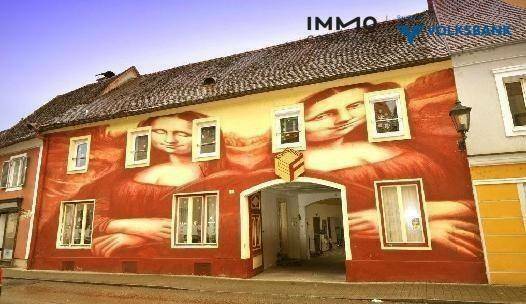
476,88
270,225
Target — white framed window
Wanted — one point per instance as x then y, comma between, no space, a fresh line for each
14,173
386,113
288,128
138,146
195,220
206,139
78,157
521,187
511,88
402,214
5,175
75,228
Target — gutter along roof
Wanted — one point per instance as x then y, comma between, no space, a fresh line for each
312,60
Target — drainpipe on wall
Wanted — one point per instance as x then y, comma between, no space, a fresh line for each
38,202
33,204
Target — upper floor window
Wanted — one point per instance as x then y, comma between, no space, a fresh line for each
402,214
76,224
387,115
288,128
511,87
205,139
195,220
14,172
78,158
138,145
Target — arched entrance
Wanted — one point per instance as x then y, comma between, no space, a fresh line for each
278,225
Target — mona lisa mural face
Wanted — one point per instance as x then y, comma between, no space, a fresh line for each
172,135
334,117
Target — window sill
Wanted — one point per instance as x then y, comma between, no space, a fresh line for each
408,247
280,149
202,158
13,189
83,247
195,246
393,137
137,165
516,131
77,171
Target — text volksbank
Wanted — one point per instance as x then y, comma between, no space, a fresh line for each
411,32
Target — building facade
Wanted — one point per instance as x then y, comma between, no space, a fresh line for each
489,74
181,191
18,188
497,153
338,146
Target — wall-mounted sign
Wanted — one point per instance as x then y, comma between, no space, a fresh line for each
289,164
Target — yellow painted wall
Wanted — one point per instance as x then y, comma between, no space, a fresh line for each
501,211
498,171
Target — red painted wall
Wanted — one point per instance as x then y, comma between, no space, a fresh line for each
431,154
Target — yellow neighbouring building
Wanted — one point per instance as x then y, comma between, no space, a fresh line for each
490,75
500,194
493,83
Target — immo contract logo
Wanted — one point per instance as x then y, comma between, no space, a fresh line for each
412,31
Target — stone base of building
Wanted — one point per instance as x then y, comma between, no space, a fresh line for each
356,271
20,263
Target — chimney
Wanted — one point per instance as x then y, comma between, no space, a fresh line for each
105,75
117,81
430,5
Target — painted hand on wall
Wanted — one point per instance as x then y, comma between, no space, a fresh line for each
363,224
132,233
156,229
449,224
458,235
107,245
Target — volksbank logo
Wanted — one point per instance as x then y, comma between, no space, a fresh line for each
411,32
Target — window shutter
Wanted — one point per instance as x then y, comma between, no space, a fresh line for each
5,174
23,169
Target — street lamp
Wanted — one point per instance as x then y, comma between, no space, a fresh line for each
461,119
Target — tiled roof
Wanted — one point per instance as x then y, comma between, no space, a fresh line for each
54,108
315,59
480,12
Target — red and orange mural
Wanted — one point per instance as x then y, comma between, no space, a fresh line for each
133,206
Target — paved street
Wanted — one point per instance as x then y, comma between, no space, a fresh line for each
24,291
30,286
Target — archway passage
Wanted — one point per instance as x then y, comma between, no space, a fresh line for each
302,232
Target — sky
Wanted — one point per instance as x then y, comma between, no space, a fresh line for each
51,47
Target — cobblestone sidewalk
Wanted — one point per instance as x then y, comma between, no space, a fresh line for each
407,292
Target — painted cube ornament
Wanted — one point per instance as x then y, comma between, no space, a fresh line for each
289,164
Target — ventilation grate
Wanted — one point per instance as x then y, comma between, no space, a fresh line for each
203,269
129,267
68,266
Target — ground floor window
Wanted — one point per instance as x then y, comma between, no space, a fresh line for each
195,220
76,224
402,215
